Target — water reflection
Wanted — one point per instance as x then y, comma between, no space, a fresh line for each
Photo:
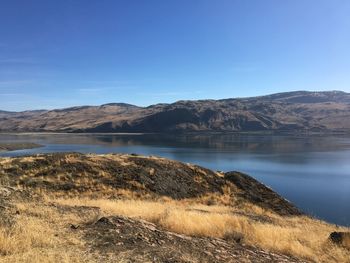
311,171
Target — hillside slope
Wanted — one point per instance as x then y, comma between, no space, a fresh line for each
300,110
71,207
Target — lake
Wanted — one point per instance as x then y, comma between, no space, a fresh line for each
313,172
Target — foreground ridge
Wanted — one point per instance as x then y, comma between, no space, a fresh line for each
72,207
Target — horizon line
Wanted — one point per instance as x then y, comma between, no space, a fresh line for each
177,101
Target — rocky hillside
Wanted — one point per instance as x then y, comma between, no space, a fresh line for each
296,111
71,207
110,176
83,234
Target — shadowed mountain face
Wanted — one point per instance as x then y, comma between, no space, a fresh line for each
300,110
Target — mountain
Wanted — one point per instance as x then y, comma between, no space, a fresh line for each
290,111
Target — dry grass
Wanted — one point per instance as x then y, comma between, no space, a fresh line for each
39,235
26,234
297,236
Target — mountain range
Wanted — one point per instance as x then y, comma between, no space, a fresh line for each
289,111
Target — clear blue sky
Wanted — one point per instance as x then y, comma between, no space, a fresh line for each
56,54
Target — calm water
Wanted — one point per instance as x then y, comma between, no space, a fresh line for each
311,171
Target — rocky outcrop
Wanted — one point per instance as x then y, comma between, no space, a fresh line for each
84,200
259,194
142,241
340,238
154,177
123,239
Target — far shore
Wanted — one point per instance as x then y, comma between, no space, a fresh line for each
4,147
266,132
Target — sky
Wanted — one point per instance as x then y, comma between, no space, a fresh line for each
56,54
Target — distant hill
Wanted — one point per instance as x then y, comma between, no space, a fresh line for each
290,111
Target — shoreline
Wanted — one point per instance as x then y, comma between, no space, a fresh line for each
7,147
134,202
272,132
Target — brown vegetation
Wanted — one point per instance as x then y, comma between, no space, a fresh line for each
297,111
53,206
17,146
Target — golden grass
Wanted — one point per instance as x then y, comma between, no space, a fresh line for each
297,236
26,234
39,235
196,223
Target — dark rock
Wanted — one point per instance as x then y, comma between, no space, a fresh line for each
234,236
104,221
336,237
74,227
141,241
340,238
261,195
145,176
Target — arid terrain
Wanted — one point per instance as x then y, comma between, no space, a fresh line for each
291,111
17,146
71,207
